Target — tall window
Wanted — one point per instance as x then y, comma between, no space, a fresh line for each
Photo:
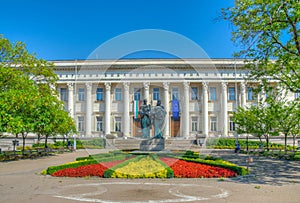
63,94
156,95
194,93
175,93
81,94
297,95
231,124
194,124
99,124
212,93
213,124
118,123
137,94
99,94
231,93
249,93
118,94
80,123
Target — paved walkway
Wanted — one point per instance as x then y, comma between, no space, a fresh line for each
271,180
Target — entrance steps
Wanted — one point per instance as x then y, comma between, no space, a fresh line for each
170,144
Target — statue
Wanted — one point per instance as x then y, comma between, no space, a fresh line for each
145,119
158,114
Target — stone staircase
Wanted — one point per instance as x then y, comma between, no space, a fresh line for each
170,144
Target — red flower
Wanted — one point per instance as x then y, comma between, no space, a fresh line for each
185,169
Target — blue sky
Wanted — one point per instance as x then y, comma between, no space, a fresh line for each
72,29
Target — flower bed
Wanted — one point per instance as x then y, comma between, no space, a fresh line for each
142,167
89,170
185,169
147,166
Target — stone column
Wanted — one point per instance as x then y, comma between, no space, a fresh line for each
71,99
167,108
107,108
205,126
224,110
126,117
146,91
243,95
88,130
186,113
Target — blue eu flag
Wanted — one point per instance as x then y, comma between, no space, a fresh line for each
175,109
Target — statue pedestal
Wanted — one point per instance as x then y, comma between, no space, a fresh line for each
152,145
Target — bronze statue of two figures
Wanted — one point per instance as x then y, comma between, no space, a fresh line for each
152,116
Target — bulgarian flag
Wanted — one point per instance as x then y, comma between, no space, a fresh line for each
136,109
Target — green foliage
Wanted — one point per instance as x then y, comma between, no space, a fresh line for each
191,154
229,143
89,144
268,30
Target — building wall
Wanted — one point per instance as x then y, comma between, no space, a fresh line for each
223,76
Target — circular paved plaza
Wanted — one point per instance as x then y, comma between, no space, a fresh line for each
271,180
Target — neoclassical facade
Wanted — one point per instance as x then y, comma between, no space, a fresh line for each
103,96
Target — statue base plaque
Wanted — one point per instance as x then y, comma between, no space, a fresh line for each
154,144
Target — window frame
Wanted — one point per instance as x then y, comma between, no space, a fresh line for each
195,124
194,96
118,94
213,124
231,124
212,97
81,94
99,94
156,94
63,94
176,95
137,94
231,94
99,123
118,123
80,123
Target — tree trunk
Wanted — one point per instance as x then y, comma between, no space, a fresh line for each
46,140
285,141
23,137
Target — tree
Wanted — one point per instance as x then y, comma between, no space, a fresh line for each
269,34
28,104
257,120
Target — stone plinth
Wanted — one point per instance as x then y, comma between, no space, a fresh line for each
152,145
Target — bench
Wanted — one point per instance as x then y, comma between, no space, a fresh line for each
10,156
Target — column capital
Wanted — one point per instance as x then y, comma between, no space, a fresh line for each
205,85
186,85
126,86
70,86
146,85
166,85
107,86
88,85
224,86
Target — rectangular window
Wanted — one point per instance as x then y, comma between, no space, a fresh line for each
99,94
80,123
118,123
213,124
212,93
231,124
194,93
175,93
118,94
63,94
249,93
194,124
81,94
297,95
156,95
137,94
231,93
99,124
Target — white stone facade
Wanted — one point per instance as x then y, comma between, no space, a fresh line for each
100,94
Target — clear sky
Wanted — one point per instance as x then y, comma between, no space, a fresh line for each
72,29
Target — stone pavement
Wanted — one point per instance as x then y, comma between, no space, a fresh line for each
271,180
